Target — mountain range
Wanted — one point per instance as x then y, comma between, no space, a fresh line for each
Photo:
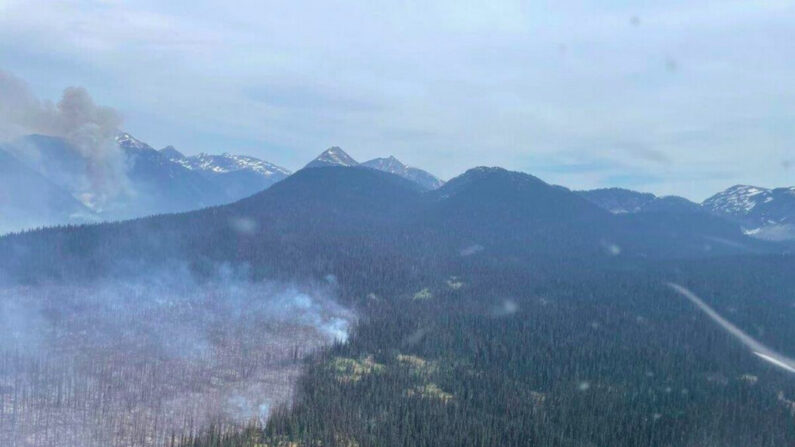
167,181
51,183
317,217
761,212
236,176
59,187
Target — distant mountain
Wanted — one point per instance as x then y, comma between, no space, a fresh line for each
172,153
737,201
333,156
28,200
320,218
618,200
392,165
671,204
225,163
56,160
131,144
237,176
511,192
626,201
521,213
513,212
61,185
160,185
764,213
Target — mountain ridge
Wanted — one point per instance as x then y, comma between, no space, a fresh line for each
393,165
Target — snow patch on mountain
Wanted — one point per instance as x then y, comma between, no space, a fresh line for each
224,163
738,200
764,213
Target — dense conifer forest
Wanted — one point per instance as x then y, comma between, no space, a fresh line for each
614,357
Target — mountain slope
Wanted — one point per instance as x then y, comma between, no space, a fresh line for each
671,204
521,214
225,163
618,200
514,192
149,181
29,200
626,201
515,213
319,220
738,201
392,165
54,159
311,221
172,153
159,185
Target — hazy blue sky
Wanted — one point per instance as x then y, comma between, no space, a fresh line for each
674,97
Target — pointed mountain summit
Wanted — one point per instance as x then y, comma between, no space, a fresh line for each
333,156
394,166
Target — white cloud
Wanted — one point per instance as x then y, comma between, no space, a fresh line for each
702,84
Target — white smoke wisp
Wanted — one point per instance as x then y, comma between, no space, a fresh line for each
89,129
756,347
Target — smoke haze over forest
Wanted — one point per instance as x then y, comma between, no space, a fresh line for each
137,361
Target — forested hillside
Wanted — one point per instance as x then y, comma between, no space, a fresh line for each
555,356
496,310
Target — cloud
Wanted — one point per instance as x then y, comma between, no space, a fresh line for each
308,97
486,82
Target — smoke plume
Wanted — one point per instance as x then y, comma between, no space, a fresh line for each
89,129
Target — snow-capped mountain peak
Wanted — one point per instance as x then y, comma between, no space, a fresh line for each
739,200
333,156
129,142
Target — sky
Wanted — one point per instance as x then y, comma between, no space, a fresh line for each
684,97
